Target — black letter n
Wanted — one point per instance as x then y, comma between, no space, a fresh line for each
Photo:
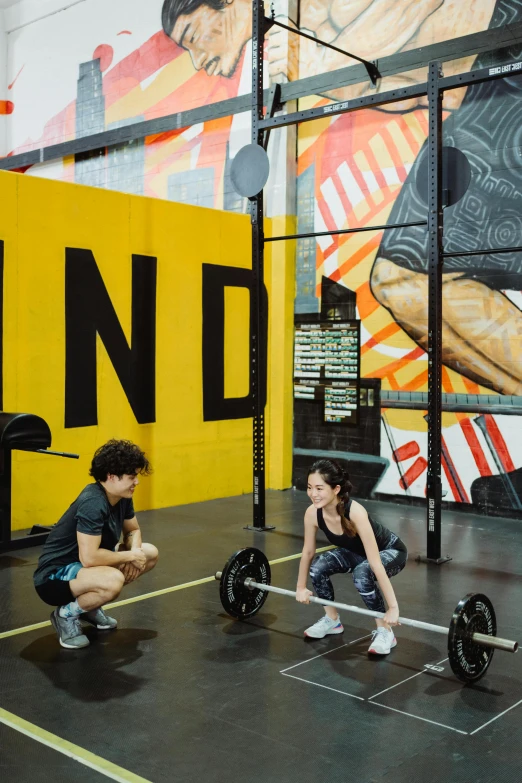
88,312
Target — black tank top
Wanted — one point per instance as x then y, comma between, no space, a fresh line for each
384,537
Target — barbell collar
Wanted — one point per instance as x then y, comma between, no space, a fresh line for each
507,645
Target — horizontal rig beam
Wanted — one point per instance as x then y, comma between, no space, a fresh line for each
483,42
392,96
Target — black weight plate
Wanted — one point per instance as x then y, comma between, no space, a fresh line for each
474,614
456,175
237,600
250,169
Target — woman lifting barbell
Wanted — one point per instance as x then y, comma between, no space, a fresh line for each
365,548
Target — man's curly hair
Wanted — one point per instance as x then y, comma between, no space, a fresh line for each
119,458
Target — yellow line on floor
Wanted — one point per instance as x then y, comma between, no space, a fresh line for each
82,756
154,594
295,557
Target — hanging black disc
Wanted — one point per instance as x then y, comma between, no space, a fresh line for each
474,614
456,175
237,600
250,169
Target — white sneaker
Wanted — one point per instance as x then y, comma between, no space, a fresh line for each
382,641
323,627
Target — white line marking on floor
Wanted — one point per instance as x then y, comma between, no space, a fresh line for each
434,722
327,687
424,671
496,718
325,653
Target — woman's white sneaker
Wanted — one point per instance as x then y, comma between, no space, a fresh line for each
382,641
323,627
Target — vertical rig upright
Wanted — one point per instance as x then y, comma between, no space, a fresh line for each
435,260
258,326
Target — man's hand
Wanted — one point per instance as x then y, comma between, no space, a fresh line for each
130,572
137,558
283,52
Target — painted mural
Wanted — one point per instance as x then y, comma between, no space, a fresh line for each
365,169
354,170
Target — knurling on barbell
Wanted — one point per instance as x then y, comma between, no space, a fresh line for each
244,585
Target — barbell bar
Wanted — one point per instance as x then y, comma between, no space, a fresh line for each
245,584
507,645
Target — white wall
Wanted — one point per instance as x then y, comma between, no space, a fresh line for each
50,38
3,84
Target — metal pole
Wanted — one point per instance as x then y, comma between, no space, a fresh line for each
258,348
435,228
66,454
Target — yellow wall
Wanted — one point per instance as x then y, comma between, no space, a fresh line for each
193,460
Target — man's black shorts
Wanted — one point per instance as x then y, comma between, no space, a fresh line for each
55,592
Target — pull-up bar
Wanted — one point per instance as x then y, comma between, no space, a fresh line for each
373,71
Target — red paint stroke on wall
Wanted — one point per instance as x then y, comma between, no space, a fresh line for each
105,54
413,472
6,107
475,447
125,32
406,451
10,86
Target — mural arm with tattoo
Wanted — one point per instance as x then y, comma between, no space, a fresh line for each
481,327
373,29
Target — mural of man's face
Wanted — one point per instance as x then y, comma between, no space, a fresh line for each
215,39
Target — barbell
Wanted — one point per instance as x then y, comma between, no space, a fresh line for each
244,585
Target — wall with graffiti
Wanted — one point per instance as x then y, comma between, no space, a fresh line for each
369,168
97,66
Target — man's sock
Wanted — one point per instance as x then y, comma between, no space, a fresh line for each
70,610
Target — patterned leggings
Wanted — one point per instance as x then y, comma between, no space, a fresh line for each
342,561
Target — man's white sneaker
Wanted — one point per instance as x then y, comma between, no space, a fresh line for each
382,641
323,627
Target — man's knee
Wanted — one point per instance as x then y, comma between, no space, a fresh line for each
152,555
151,551
113,582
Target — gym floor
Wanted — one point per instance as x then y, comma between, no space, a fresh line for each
181,692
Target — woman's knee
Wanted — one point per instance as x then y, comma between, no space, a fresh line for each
363,578
319,568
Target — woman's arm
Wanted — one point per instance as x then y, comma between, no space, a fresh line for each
310,530
359,517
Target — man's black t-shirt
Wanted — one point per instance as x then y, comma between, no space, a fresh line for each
92,514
